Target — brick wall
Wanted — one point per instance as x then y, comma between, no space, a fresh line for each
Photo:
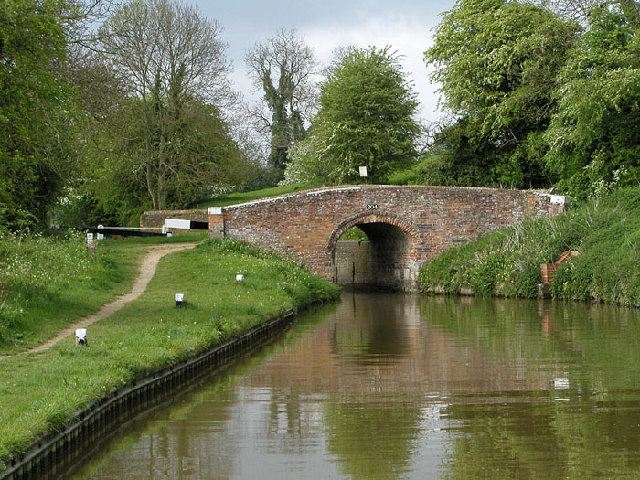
407,226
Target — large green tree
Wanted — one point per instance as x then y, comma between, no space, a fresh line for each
35,110
204,159
175,71
497,62
594,136
366,118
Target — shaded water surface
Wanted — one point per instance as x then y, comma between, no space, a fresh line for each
399,386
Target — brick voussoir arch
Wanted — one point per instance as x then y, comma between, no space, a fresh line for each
366,217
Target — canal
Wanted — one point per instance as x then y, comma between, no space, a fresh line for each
402,386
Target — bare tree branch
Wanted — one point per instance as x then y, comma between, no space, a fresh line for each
283,67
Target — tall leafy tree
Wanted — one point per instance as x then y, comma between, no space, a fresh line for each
366,118
282,67
594,136
175,67
497,62
577,10
35,109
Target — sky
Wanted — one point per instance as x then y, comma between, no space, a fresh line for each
406,25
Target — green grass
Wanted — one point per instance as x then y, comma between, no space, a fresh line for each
48,283
243,197
39,394
606,231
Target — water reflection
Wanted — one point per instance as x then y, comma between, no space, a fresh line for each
400,386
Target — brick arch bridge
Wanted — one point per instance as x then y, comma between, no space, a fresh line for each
406,226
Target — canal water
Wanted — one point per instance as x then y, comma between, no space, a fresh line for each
402,386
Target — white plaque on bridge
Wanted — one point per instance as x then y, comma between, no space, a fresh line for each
557,200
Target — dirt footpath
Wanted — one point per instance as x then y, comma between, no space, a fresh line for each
146,273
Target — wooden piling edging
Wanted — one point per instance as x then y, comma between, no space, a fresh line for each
53,453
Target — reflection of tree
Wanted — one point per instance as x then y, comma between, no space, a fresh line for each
596,344
505,442
582,437
174,440
372,440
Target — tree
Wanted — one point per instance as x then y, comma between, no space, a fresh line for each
577,10
497,62
593,136
35,110
282,67
366,118
176,70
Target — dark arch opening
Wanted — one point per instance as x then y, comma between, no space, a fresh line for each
384,259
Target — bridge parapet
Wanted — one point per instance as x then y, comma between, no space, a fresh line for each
407,226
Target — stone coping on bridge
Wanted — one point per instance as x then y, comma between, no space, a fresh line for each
553,199
284,197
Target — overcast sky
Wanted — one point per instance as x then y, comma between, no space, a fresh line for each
406,25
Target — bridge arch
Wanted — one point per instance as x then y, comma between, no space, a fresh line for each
388,258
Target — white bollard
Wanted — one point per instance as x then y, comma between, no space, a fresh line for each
81,337
179,299
239,277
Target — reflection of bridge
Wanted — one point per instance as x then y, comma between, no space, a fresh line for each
406,226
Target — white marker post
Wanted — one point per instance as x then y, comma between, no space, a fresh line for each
81,337
91,246
179,299
363,173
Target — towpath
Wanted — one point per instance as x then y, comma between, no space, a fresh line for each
146,273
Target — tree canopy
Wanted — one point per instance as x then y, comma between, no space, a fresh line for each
594,136
175,65
366,118
543,93
497,62
35,110
103,123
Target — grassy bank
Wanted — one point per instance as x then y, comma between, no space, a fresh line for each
605,231
47,283
40,393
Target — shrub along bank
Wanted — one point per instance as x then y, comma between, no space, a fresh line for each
606,232
40,394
